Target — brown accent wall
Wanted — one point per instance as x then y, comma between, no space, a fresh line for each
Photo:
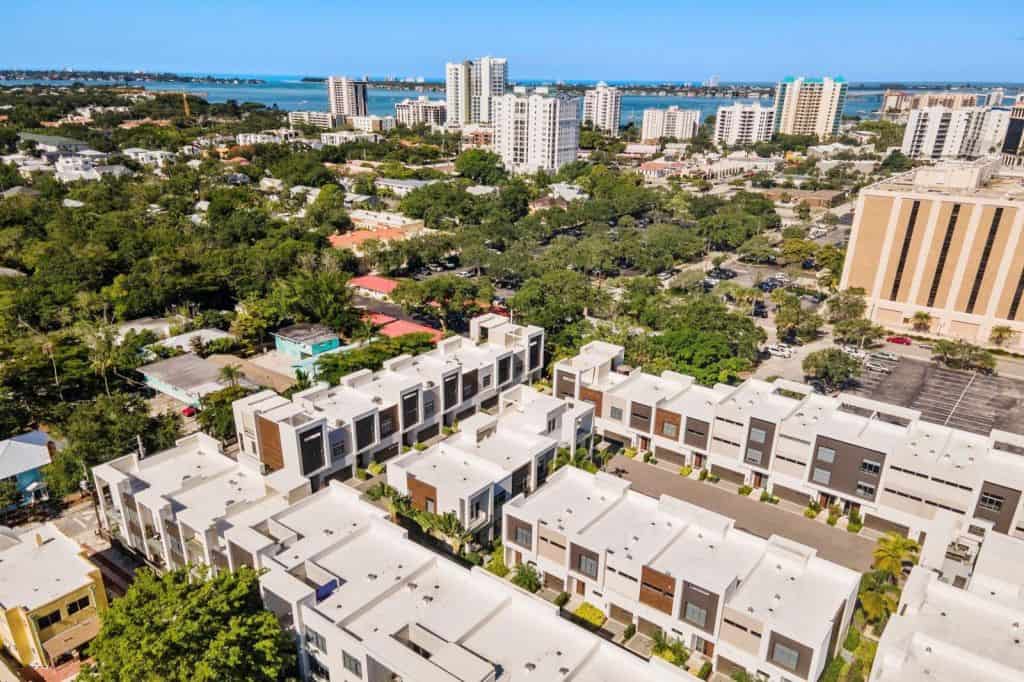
803,664
565,385
696,440
698,596
640,417
419,492
1004,517
620,614
956,247
871,226
657,590
470,384
270,443
845,468
596,398
511,523
885,525
766,447
575,552
364,432
790,494
662,417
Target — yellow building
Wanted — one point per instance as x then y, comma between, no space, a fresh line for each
51,596
941,247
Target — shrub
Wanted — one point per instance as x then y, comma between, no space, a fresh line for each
769,498
447,430
497,563
852,639
527,578
833,515
713,478
815,505
378,491
685,470
833,671
629,452
649,458
705,670
361,474
856,672
474,558
866,651
629,632
854,527
811,513
745,490
562,599
419,447
375,468
590,615
703,474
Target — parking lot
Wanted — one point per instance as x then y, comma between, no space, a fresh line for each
964,400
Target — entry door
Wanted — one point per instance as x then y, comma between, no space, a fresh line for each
758,480
581,588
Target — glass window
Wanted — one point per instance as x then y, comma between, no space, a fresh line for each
352,664
696,615
753,456
990,502
865,489
315,640
827,455
783,656
552,423
524,537
869,467
616,413
669,429
486,380
822,476
317,670
758,435
77,605
48,619
588,566
428,405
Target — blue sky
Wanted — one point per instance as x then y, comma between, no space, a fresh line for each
627,39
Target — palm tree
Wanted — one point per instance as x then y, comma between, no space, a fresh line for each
231,374
1000,334
878,597
454,532
100,338
397,504
922,321
892,551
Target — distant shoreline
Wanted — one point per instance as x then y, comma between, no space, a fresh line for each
131,77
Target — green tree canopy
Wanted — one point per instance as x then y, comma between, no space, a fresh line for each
832,367
480,166
180,628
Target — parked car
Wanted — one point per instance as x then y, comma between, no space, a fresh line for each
721,273
779,351
853,352
885,355
759,310
899,340
666,276
189,411
876,367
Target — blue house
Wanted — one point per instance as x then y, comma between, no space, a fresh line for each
22,459
301,341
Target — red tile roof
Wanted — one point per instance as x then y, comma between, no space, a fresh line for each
350,239
374,283
403,327
379,319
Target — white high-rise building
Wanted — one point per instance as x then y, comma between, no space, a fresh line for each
602,108
413,112
536,131
471,88
346,97
681,124
995,97
945,133
317,119
809,106
742,124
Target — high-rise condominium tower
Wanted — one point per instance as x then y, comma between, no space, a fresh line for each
346,97
536,131
680,124
602,108
471,87
742,124
809,106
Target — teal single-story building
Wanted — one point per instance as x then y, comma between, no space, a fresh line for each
22,459
301,341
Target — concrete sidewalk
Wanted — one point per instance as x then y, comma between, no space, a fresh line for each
757,518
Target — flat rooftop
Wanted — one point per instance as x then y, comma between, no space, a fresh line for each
570,500
188,372
44,565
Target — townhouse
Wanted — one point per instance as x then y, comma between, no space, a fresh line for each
51,597
329,431
368,604
766,606
898,471
492,458
960,613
